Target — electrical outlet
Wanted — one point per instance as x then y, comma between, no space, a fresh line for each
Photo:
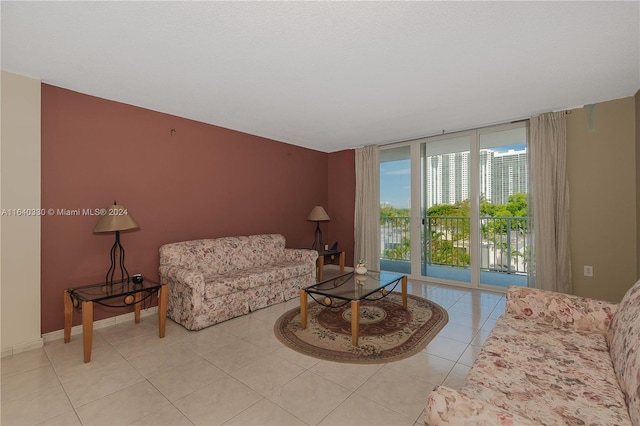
588,271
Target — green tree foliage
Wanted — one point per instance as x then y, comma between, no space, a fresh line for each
396,218
443,252
517,205
461,208
401,252
449,224
388,211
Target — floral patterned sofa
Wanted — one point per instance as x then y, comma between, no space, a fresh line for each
551,359
213,280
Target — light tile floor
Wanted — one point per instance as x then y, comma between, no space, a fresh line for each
238,373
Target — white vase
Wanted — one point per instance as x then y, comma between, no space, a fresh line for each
361,270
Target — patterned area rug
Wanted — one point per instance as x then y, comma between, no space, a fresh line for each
388,332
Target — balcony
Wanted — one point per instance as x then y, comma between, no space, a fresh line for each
446,248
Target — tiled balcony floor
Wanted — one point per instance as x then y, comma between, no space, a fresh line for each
500,280
237,373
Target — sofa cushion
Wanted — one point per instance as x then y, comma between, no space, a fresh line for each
447,406
551,375
264,276
217,285
560,310
224,255
258,250
205,256
624,343
293,270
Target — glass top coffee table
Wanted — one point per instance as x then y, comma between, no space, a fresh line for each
352,288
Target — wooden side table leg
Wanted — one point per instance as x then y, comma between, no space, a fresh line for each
68,316
342,263
136,306
163,295
355,321
320,267
404,292
303,309
87,329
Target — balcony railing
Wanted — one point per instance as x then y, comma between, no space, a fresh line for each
446,242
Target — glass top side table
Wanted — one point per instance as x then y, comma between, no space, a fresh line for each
330,255
121,293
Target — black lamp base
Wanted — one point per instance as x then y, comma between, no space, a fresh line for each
117,251
317,243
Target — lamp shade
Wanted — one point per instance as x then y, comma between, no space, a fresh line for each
318,215
116,218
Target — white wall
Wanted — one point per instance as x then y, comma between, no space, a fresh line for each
19,235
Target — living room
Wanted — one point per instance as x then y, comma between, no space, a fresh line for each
185,179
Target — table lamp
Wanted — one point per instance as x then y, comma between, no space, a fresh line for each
318,214
115,219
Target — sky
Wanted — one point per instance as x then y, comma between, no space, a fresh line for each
395,183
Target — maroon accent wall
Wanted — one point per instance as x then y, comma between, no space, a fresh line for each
342,201
199,181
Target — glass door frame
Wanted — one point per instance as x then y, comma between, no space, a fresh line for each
474,201
416,221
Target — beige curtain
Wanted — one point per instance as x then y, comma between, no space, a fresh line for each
550,196
367,211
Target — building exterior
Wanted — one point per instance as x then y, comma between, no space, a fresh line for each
501,174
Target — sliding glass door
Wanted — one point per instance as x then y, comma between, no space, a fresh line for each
454,207
395,209
446,209
504,214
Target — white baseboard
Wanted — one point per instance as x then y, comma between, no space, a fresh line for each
59,334
107,322
22,347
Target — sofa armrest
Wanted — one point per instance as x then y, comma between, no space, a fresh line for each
300,255
447,406
189,283
560,310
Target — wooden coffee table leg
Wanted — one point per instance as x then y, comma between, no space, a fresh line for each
303,309
87,329
341,263
68,316
163,295
319,267
355,321
404,292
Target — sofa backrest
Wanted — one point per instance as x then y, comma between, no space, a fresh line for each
222,255
624,346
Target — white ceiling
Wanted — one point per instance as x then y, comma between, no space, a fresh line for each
332,75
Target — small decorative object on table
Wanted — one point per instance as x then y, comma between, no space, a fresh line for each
361,267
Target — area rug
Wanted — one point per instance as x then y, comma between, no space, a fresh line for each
388,332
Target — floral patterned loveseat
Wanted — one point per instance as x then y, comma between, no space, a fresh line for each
551,359
213,280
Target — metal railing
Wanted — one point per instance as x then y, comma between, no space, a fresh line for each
504,244
446,242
